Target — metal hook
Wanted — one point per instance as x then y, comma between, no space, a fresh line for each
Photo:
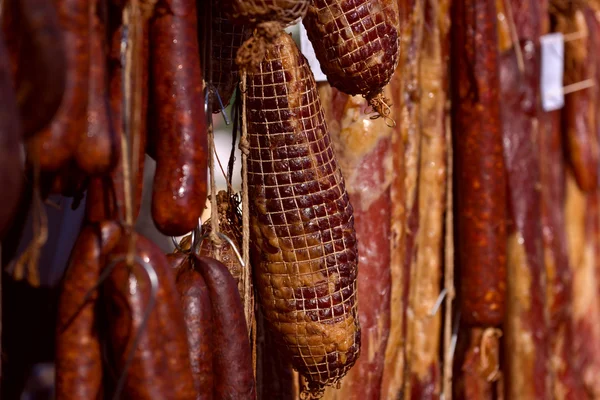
196,233
226,238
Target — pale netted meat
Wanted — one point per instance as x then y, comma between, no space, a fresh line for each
302,227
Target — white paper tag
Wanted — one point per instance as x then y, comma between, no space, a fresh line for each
553,65
309,52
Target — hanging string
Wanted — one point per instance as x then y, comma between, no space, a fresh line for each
135,17
245,149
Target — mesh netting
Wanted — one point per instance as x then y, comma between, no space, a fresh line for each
226,39
356,42
302,228
256,11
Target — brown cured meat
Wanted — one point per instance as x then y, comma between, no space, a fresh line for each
96,151
179,192
106,198
197,312
581,211
160,366
423,340
526,325
404,194
363,151
226,39
356,42
55,145
78,349
558,270
581,107
35,44
11,159
301,223
479,164
234,375
250,12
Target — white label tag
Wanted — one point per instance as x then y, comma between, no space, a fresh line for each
553,65
309,52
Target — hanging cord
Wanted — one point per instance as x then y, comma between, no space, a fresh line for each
135,16
245,149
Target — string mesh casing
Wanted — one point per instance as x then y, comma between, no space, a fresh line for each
302,228
226,40
357,42
253,12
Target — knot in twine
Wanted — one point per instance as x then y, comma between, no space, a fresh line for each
244,146
252,52
381,107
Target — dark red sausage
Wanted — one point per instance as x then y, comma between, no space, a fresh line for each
234,377
480,173
160,367
197,311
177,99
55,145
96,151
11,159
78,352
35,42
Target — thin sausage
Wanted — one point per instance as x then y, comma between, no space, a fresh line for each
480,173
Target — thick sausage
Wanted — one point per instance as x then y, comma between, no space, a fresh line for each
301,222
479,170
234,377
179,192
160,367
11,159
96,151
197,312
78,352
55,145
37,51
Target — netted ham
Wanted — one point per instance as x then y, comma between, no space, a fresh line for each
257,11
224,41
356,43
301,221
